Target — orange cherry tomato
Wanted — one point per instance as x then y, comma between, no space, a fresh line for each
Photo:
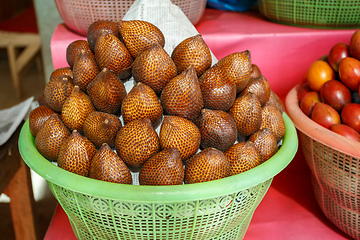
319,73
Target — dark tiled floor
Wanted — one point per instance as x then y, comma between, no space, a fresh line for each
33,85
32,81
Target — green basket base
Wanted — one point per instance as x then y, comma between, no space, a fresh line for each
226,217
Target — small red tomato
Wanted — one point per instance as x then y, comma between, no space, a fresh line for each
350,115
336,94
318,73
302,90
308,101
338,52
349,72
346,131
354,45
325,115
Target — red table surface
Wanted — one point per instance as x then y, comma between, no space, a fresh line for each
283,53
25,22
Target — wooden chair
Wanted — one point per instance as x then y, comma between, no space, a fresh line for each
15,182
23,45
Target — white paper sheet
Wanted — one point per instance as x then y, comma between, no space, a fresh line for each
168,17
174,25
10,118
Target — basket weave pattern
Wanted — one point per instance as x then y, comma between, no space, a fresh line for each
346,220
313,13
335,173
79,14
220,209
94,217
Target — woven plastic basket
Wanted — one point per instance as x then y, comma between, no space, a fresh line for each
220,209
313,13
79,14
334,162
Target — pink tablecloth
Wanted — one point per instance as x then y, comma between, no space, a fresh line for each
283,53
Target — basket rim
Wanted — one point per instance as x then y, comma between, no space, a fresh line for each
176,193
315,131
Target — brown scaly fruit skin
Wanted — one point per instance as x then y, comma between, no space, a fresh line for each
164,168
192,51
182,96
238,67
85,70
42,101
139,36
141,102
50,137
265,143
100,127
272,119
218,90
75,48
98,28
111,53
218,129
275,100
38,117
136,142
76,153
107,92
246,112
255,71
208,165
180,133
64,71
107,166
260,87
76,108
242,156
154,67
56,91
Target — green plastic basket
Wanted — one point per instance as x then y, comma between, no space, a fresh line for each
313,13
220,209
